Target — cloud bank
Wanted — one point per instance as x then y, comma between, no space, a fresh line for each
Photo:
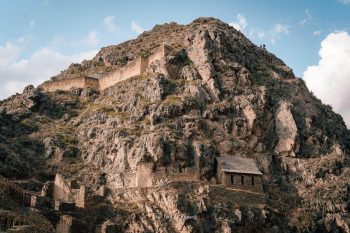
330,79
40,66
109,23
240,24
136,27
278,29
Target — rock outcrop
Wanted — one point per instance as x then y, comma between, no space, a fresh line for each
145,148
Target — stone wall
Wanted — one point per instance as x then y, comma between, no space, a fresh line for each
91,82
69,191
163,175
64,85
9,219
62,190
236,198
133,68
161,52
79,196
242,181
144,175
107,227
188,174
68,224
41,202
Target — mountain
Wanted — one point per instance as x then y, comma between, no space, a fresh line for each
145,146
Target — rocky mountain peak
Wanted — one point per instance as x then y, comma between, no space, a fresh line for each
146,147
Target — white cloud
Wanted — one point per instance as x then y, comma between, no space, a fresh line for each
261,34
136,27
344,1
307,18
270,35
92,39
109,23
57,40
8,53
281,28
317,33
330,79
40,66
25,39
240,24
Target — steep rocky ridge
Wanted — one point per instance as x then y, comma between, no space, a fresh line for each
216,94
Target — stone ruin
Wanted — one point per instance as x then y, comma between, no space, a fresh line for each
60,195
9,220
68,224
132,69
107,227
146,175
239,173
68,191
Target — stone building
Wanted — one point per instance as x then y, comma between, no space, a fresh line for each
69,191
63,193
240,173
69,224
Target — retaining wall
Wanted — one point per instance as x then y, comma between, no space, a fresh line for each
161,52
133,68
66,84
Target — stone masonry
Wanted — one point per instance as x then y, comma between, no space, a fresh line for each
132,69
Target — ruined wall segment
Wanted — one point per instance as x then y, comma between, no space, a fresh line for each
67,84
132,69
92,83
161,52
69,191
79,196
64,85
144,175
61,189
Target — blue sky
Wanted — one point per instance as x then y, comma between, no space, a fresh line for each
47,35
74,20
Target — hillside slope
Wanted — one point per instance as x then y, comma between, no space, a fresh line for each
216,94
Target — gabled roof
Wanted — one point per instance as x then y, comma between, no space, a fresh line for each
238,165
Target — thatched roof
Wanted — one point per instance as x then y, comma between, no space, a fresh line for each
238,165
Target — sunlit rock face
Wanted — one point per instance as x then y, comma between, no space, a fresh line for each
146,147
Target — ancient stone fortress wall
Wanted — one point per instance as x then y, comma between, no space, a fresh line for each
64,85
146,176
162,51
130,70
133,68
10,219
91,82
69,191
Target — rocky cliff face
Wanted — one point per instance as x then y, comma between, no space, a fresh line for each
216,94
